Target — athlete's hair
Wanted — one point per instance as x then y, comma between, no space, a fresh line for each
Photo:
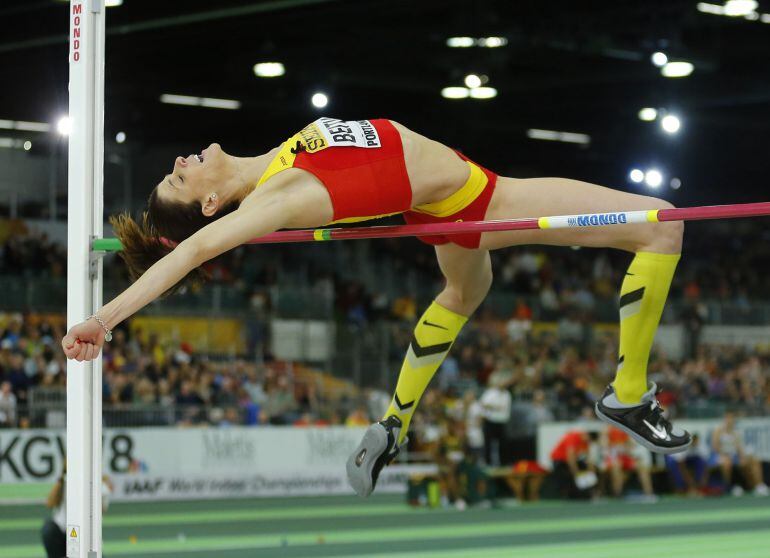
163,224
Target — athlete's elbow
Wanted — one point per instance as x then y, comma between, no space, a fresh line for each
194,252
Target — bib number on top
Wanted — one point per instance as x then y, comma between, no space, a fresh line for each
332,132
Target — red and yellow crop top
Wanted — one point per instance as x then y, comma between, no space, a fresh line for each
361,165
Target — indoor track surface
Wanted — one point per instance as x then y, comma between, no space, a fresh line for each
385,527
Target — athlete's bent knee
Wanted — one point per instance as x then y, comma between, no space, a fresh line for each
672,232
466,298
665,237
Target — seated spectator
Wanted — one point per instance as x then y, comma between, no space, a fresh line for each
573,466
232,417
188,402
729,451
17,376
688,469
519,325
187,396
621,457
447,453
472,480
280,405
7,406
357,418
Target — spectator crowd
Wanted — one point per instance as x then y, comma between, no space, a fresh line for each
723,266
506,374
539,375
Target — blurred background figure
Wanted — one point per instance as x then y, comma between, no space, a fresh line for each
689,470
7,405
621,458
473,415
496,408
54,528
730,453
574,468
357,418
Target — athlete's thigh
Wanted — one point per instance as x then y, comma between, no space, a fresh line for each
541,197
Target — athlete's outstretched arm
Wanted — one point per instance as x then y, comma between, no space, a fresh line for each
258,215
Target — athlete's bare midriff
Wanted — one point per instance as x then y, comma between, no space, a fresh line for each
435,171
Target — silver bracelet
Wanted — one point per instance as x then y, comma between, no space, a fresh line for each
107,331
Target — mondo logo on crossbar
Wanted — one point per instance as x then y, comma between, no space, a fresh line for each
599,219
77,11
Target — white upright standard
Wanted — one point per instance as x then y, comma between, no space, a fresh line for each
84,275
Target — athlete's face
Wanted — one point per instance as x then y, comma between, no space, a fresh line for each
195,177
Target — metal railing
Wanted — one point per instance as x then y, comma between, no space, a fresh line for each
297,301
47,409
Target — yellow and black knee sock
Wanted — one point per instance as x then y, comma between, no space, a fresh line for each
432,339
642,297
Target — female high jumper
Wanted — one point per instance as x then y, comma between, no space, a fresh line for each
344,171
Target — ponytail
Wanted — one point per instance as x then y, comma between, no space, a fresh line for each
142,247
164,221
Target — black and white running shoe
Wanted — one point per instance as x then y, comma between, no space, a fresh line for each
644,422
378,448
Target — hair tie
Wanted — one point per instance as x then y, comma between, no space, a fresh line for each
168,243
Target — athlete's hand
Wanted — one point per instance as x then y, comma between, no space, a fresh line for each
84,341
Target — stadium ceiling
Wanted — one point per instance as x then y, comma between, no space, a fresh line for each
574,66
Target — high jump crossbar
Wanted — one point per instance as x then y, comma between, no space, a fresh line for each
84,274
699,213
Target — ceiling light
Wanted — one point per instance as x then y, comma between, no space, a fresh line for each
120,137
25,126
319,100
455,92
636,176
207,102
460,42
670,123
764,18
707,8
220,103
269,69
677,69
653,178
492,42
659,59
180,100
675,183
553,135
15,143
483,92
472,80
648,114
736,8
32,126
